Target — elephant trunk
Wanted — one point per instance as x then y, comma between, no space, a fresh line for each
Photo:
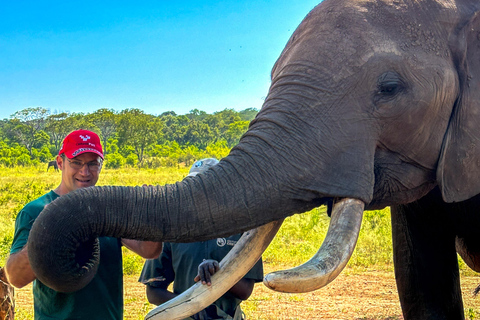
72,225
217,203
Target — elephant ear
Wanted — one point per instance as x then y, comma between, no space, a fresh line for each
458,170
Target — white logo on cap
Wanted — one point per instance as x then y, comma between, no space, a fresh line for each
85,138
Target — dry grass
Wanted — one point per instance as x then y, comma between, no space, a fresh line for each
370,295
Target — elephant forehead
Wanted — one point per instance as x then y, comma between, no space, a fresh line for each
384,46
418,36
414,26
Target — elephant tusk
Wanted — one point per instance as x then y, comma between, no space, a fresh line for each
331,258
241,258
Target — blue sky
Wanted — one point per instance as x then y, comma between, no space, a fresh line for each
79,56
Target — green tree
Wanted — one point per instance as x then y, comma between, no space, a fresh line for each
217,150
173,129
248,114
105,121
189,154
169,149
57,128
112,146
196,114
27,125
41,139
60,125
168,113
199,134
114,160
235,131
132,160
3,124
139,130
23,160
219,121
228,116
42,154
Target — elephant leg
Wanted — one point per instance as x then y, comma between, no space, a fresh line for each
426,266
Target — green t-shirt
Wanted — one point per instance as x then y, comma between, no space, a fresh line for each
101,299
179,262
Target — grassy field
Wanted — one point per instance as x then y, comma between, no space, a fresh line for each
298,239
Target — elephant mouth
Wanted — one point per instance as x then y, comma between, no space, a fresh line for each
320,270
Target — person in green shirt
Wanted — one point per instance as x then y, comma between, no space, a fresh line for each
80,160
187,263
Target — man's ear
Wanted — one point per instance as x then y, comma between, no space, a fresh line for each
458,172
60,162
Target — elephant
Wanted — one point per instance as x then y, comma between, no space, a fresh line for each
53,164
372,103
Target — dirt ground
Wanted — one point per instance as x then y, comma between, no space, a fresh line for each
371,295
367,296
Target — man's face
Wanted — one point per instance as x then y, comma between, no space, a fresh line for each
79,172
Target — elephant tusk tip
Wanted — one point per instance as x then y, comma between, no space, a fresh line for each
268,283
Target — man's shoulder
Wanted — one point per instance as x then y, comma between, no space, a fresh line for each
38,204
26,218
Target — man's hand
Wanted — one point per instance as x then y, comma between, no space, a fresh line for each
206,270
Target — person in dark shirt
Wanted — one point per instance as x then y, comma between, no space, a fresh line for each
182,263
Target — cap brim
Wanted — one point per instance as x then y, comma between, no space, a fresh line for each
76,153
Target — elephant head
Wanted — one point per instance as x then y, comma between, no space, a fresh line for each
372,101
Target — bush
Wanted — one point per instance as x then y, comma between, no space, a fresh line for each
7,162
5,243
152,163
23,160
374,246
114,161
44,154
132,263
132,159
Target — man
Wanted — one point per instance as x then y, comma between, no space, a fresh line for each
185,263
80,160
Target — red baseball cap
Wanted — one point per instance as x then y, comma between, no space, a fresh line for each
81,141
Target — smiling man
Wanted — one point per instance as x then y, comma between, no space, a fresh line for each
80,160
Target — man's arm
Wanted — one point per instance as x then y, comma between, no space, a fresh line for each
158,296
243,288
145,249
18,270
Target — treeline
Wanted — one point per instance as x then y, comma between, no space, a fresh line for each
129,137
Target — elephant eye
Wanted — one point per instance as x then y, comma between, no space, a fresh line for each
388,88
389,85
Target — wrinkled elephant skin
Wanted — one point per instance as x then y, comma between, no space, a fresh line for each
374,100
